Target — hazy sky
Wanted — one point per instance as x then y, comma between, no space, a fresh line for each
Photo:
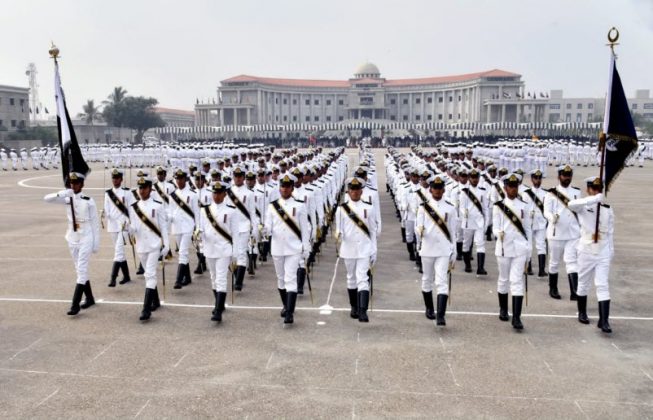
177,51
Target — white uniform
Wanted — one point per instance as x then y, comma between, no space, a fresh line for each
513,247
219,250
563,230
116,220
182,223
358,249
246,223
149,245
474,221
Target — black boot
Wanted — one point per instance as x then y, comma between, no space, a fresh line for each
179,282
114,273
220,298
363,300
199,270
89,301
604,314
283,295
301,278
147,305
529,269
582,310
503,307
156,302
353,302
403,235
467,257
203,263
459,251
250,264
442,309
77,297
553,286
291,299
428,302
411,250
125,272
516,312
541,261
480,256
573,285
141,270
488,233
418,261
187,279
240,277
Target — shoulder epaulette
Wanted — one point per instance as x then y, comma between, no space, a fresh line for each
521,199
607,206
157,201
85,197
576,188
367,202
448,202
233,207
309,189
298,200
371,188
496,203
106,191
125,188
482,188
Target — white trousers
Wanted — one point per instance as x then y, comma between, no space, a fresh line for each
435,271
119,240
219,270
357,273
184,241
511,275
149,260
594,267
81,253
475,235
286,268
410,231
539,237
242,239
565,250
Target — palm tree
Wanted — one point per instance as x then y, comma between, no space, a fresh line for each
116,96
91,114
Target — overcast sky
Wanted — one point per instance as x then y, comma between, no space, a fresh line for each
177,51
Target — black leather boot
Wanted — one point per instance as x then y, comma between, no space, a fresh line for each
250,264
220,298
467,258
459,251
125,272
186,280
529,269
114,273
179,282
291,299
198,269
89,301
301,278
541,261
147,305
77,297
582,310
403,235
442,309
363,300
140,270
283,295
488,233
156,302
411,250
516,312
428,302
480,257
503,307
240,277
604,314
553,286
418,261
353,302
203,263
573,285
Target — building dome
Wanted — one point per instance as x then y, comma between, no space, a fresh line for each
367,70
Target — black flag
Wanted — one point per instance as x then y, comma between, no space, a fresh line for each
71,155
619,137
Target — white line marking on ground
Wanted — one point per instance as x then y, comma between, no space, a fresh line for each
267,365
646,374
104,351
308,309
442,344
616,347
25,349
142,408
356,367
47,398
333,279
23,183
530,343
581,410
181,359
452,374
548,366
353,410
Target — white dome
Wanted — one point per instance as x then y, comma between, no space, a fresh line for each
367,70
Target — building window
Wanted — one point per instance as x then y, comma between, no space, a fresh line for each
440,100
554,106
294,101
429,117
567,117
0,123
450,98
634,106
328,118
405,101
294,118
328,102
418,100
392,101
340,118
276,101
392,118
590,106
11,102
366,100
440,117
22,102
568,106
451,116
460,98
285,118
429,100
316,118
579,117
589,117
459,115
418,117
308,102
13,123
316,102
341,102
405,117
308,119
579,106
276,118
648,106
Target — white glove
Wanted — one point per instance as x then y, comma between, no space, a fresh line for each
452,257
66,193
373,259
305,255
234,258
165,250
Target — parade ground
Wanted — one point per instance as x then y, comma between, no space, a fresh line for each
105,363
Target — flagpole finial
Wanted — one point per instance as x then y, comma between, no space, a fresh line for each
54,51
613,37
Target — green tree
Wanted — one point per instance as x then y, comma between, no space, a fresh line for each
91,114
112,107
138,114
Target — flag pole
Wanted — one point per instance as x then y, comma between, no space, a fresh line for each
613,37
54,54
